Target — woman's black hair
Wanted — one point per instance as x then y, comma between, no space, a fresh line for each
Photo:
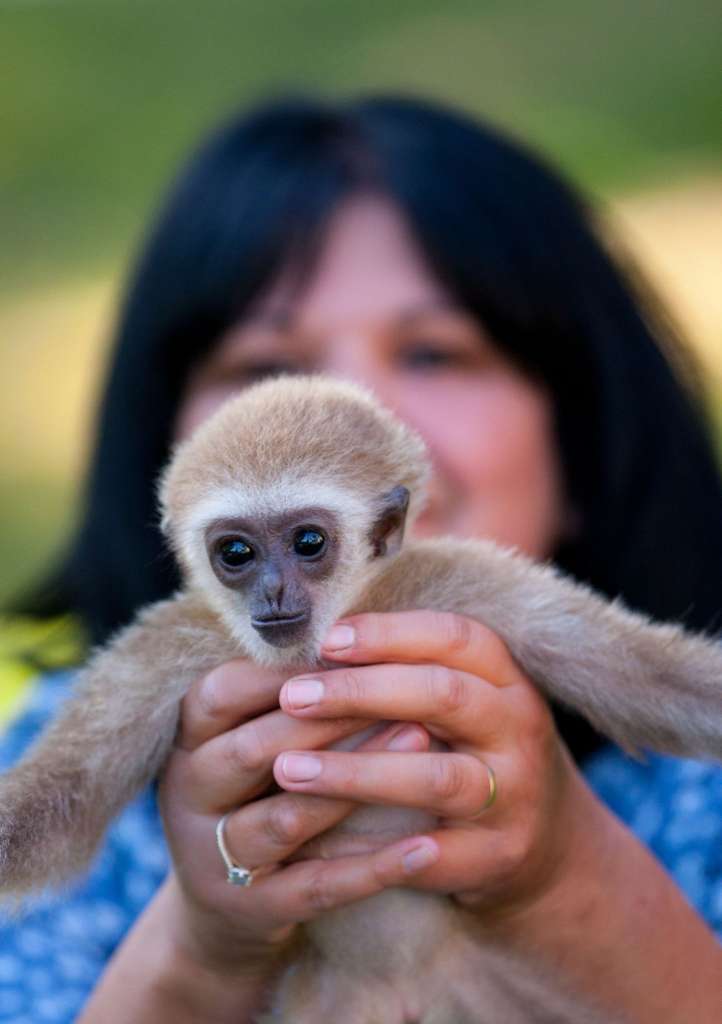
516,247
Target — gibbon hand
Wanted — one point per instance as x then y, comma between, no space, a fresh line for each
457,678
230,734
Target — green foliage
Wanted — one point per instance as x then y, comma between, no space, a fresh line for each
34,515
101,98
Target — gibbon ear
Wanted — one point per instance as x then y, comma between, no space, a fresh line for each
387,531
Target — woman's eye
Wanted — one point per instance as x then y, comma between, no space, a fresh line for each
235,552
308,543
430,355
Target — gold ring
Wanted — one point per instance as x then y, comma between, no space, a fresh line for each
492,791
236,873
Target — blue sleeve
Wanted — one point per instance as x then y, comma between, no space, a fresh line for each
675,808
52,956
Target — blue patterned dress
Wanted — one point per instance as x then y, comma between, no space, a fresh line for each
50,959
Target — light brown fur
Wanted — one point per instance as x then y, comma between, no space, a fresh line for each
643,684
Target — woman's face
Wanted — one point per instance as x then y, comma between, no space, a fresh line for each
373,312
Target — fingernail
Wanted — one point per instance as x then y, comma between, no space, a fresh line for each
303,693
300,767
421,856
407,738
339,637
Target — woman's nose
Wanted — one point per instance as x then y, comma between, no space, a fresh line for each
352,357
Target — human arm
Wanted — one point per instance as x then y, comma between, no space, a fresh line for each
154,977
547,872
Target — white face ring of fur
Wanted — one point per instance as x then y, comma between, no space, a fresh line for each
236,873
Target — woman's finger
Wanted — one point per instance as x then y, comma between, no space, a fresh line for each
476,861
271,830
458,703
306,889
420,636
235,767
449,785
224,698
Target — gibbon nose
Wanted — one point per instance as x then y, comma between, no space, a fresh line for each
273,587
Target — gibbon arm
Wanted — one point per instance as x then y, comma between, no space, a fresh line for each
108,742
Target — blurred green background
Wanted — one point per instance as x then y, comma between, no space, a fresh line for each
99,100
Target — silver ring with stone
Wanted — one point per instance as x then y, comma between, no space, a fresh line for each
236,873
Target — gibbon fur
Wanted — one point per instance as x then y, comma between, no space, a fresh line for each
313,455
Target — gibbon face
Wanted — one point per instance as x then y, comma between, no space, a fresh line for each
276,563
285,503
290,572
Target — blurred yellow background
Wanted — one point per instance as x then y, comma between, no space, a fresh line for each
100,101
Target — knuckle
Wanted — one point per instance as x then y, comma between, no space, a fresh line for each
284,824
374,631
319,893
514,853
344,772
352,689
458,633
316,815
533,724
446,779
245,750
537,720
385,873
189,768
209,697
447,689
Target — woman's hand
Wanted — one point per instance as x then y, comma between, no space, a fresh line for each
231,732
204,949
546,871
457,678
555,876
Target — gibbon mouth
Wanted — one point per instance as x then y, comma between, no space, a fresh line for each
281,630
262,621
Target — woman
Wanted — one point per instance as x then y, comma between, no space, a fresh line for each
402,246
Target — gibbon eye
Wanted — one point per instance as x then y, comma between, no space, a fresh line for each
308,543
235,552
